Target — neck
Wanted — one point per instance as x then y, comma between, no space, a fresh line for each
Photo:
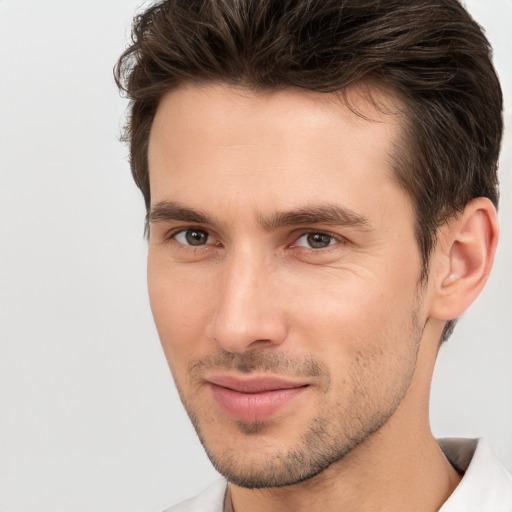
400,467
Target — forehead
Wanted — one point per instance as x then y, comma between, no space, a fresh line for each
290,111
281,146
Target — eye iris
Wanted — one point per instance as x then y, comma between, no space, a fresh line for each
318,240
196,237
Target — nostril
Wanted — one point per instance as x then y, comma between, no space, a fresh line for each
255,344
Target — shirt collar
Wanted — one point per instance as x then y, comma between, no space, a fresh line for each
486,485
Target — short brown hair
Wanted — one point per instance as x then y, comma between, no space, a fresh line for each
430,53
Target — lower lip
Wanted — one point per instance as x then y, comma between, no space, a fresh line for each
253,406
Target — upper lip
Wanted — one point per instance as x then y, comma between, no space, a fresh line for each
254,383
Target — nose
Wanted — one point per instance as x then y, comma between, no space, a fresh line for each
249,314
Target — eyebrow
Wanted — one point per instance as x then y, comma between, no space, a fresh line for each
319,214
170,210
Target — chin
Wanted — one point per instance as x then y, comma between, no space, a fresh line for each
254,458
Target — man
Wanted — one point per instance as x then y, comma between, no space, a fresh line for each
321,188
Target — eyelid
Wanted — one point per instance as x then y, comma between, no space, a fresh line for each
338,238
182,240
172,233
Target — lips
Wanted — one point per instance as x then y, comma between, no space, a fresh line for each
253,398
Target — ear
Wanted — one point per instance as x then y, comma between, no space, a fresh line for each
463,259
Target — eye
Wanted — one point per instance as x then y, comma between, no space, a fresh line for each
194,237
316,240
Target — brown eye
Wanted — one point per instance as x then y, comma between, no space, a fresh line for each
192,237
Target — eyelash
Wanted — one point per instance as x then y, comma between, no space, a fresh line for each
172,237
332,238
183,231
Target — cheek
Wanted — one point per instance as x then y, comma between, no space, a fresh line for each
352,306
181,307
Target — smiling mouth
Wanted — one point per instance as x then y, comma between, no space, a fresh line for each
256,398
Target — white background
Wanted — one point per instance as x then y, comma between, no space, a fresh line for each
89,417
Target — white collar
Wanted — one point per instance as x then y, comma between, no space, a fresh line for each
486,485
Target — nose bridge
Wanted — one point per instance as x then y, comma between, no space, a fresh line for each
245,314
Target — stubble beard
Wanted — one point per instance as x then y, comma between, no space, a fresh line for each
329,437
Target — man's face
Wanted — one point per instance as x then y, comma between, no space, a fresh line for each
283,274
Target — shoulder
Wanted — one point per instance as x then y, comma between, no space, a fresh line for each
210,500
486,485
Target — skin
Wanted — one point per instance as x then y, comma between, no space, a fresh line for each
251,179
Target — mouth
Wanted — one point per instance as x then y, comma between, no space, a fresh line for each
254,398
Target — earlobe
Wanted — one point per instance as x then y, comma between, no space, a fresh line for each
464,258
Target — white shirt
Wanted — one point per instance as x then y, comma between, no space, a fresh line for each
485,487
